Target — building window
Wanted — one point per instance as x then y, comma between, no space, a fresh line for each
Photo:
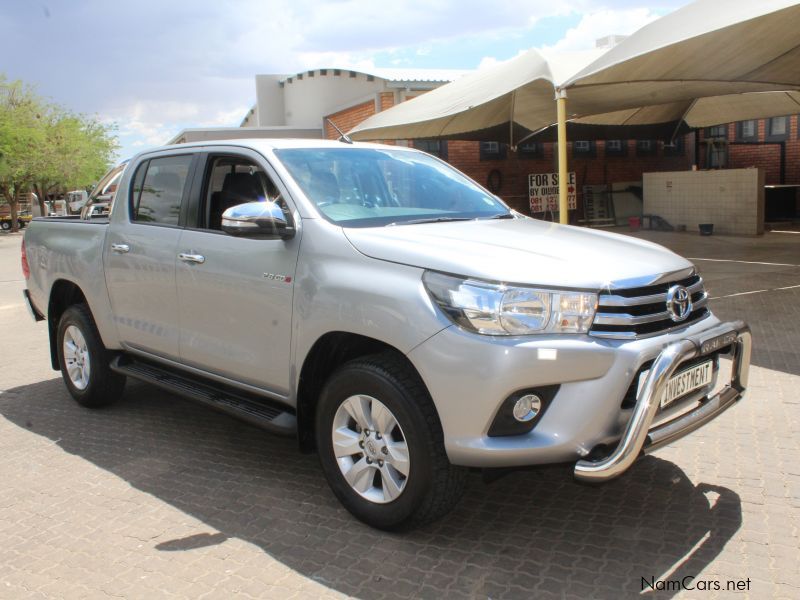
777,129
531,150
747,131
582,148
646,147
718,131
717,155
299,76
311,73
352,74
493,151
370,78
323,71
435,147
616,147
675,148
337,72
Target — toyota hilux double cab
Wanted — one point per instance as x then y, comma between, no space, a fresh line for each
393,315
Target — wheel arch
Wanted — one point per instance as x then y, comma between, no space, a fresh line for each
63,294
328,353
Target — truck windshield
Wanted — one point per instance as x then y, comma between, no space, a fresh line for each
369,187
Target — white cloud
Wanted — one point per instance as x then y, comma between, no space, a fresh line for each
597,24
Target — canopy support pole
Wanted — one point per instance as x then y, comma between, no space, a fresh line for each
563,174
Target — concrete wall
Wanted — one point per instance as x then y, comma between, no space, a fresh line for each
731,199
306,100
270,108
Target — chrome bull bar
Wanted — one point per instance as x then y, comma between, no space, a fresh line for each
639,438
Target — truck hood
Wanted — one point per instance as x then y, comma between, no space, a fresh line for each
525,251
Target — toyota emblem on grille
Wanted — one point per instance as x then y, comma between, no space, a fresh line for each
679,303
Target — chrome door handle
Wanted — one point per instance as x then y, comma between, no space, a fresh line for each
120,248
192,258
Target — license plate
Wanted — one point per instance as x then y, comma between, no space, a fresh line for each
685,382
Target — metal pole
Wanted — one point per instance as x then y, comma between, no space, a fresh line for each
563,173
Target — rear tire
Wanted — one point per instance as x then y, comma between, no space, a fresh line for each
84,361
381,445
5,225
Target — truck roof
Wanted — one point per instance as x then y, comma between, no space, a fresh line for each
275,144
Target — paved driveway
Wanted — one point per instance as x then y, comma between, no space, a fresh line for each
158,497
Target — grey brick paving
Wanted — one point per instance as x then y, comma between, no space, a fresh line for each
156,497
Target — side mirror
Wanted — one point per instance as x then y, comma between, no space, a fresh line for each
257,220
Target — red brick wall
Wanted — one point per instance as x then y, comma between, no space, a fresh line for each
600,169
348,118
766,156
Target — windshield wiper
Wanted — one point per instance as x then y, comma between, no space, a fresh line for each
430,220
498,216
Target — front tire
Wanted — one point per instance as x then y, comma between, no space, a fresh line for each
381,445
84,360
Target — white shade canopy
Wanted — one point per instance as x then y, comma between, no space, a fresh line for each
701,63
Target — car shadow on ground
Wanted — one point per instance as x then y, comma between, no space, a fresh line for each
529,534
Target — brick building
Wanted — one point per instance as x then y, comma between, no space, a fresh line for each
771,144
608,173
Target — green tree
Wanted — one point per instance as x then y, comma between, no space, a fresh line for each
20,130
47,149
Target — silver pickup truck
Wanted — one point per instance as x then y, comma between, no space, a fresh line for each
395,316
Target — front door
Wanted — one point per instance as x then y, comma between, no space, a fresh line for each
235,294
140,256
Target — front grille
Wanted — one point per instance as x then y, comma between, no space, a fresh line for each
640,312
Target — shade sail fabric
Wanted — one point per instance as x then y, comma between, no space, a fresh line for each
702,63
704,112
477,101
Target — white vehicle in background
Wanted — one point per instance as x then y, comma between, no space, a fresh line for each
76,200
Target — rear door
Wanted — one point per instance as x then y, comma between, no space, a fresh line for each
235,294
140,255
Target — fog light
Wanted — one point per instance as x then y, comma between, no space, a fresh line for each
527,407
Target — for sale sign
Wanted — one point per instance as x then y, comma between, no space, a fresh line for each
543,192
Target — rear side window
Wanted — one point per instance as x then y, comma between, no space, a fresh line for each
158,189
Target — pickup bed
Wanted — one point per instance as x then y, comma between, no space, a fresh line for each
390,313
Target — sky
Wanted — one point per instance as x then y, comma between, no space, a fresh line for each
155,67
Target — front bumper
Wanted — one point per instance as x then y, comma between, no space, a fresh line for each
639,437
469,376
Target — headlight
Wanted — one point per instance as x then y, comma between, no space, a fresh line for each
498,309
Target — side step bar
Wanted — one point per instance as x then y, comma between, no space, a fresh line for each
253,409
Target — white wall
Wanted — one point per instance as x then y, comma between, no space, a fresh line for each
303,102
731,199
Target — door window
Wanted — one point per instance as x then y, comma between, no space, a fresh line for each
157,195
232,180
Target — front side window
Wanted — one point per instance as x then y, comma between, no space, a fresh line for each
230,181
360,187
157,195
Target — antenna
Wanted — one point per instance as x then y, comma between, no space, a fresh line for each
343,136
